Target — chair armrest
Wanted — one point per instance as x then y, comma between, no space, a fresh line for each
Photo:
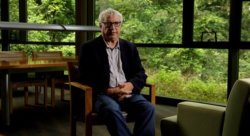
80,86
88,97
169,126
196,119
152,92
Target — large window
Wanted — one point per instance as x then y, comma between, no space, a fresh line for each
45,12
211,20
148,21
186,73
197,74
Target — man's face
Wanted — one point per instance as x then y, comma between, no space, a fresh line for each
111,28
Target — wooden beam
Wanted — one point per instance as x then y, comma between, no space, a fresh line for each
188,21
4,5
234,42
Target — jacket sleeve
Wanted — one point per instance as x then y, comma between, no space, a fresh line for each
132,66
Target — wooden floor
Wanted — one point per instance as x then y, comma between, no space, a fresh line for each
37,121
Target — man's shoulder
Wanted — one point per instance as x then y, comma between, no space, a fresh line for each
126,44
123,41
92,42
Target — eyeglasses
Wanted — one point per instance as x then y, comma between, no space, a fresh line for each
109,24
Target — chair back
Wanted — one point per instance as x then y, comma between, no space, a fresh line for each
73,69
12,55
47,55
237,116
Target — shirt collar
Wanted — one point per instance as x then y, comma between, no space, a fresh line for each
116,47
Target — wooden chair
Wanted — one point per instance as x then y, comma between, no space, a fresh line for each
55,78
21,79
86,102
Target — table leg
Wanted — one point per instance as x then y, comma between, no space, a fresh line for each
5,99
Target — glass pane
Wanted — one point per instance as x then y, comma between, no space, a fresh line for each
14,10
148,21
211,17
195,74
245,30
244,64
51,12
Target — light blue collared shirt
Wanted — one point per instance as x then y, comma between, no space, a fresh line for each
117,75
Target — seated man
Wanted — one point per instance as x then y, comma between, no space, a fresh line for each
112,67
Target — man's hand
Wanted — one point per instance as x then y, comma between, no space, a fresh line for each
122,91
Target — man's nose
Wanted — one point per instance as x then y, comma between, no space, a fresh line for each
112,26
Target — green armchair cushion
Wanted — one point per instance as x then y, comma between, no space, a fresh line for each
195,119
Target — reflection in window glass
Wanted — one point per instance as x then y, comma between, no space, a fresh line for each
196,74
148,21
244,64
210,17
245,29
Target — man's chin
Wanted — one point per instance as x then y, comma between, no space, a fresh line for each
113,37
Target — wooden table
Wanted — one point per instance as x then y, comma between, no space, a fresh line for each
20,66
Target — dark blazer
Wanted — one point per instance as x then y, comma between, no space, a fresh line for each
94,65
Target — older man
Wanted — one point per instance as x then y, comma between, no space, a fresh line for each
112,67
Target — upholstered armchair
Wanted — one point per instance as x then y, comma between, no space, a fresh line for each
199,119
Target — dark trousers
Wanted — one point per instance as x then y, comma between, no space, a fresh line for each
137,107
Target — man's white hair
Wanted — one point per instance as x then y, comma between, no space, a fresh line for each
107,12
